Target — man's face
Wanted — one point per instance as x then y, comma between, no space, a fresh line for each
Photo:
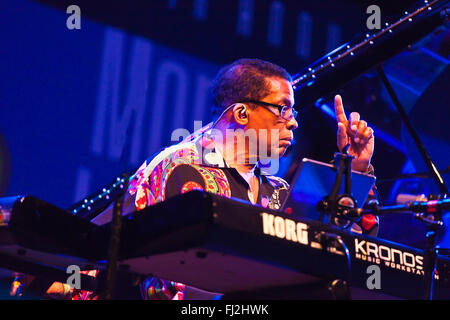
274,132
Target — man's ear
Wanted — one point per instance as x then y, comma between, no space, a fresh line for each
240,113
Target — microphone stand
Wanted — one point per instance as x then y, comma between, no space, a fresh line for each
335,204
116,224
432,226
339,206
114,244
423,152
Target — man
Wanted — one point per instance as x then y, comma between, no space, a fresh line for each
251,96
230,157
255,101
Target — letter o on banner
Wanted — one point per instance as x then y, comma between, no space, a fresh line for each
407,255
280,229
384,249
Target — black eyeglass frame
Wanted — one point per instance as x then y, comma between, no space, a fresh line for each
279,107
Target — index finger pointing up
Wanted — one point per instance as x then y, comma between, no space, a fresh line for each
339,109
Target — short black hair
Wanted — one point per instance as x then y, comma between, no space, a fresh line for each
244,79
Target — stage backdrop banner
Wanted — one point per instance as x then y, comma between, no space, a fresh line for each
67,98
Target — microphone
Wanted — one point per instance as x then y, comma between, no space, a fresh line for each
431,206
405,203
419,203
406,198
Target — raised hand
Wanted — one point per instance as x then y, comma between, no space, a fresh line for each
357,133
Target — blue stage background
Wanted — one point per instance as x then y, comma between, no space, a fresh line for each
68,96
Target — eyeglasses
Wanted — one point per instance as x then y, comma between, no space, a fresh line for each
287,113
